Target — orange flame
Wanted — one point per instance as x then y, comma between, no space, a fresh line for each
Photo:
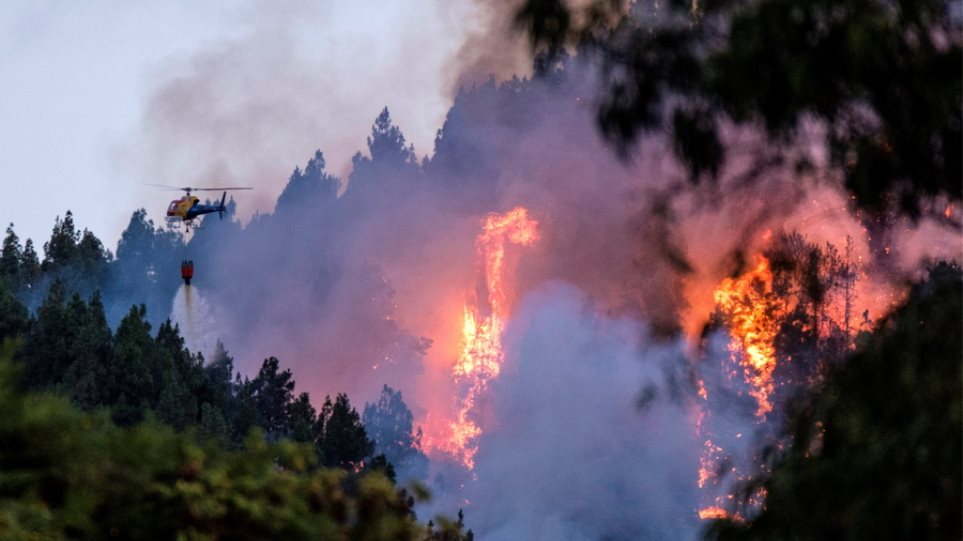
481,354
751,310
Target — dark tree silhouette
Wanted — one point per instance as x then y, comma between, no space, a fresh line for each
310,190
10,257
91,350
131,387
389,423
884,78
344,442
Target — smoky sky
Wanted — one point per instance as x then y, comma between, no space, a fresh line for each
293,76
355,291
361,280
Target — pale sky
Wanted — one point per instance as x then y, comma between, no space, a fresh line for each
101,98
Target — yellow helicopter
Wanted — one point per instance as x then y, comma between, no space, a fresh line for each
189,206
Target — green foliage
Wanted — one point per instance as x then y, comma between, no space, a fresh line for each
448,530
47,349
29,266
876,451
182,378
90,352
61,249
145,269
66,474
302,419
268,402
10,256
884,78
131,384
213,426
13,315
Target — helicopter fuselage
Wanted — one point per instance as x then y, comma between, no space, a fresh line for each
189,207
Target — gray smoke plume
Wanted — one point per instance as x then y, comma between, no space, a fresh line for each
588,439
359,280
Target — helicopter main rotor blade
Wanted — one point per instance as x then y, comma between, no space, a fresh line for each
191,189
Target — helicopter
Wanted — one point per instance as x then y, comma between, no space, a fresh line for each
189,207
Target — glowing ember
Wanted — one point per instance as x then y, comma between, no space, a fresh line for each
711,454
751,311
481,353
712,513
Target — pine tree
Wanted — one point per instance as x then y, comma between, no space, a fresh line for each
86,378
273,391
344,442
387,144
310,189
243,414
92,262
131,386
47,348
875,452
302,420
10,257
30,271
218,388
390,424
14,316
145,267
61,249
212,425
176,406
391,166
181,375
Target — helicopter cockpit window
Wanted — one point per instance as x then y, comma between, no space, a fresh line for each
172,207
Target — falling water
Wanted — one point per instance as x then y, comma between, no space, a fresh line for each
193,315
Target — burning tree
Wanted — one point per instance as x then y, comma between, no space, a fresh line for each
780,314
783,337
481,356
876,449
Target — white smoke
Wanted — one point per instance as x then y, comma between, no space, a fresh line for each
573,450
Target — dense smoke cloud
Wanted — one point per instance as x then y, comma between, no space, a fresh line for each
245,110
572,453
358,278
493,46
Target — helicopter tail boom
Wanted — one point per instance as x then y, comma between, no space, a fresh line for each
221,208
